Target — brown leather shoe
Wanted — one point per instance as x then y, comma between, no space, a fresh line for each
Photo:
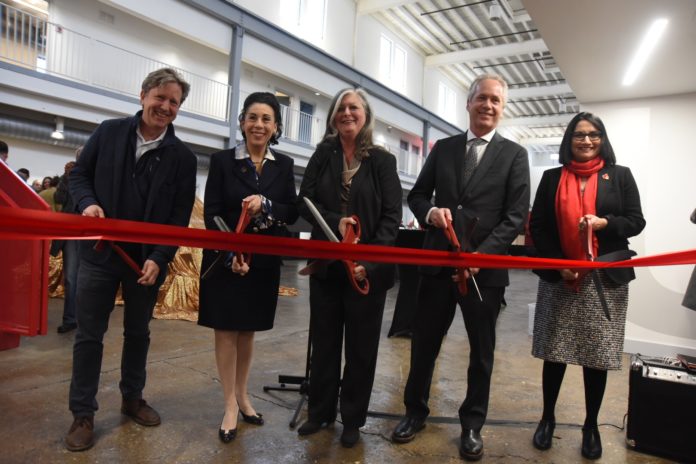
80,437
140,412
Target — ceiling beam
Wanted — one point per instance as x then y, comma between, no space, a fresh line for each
540,140
373,6
487,53
539,91
554,119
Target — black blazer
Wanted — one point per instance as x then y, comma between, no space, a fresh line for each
497,193
375,197
97,179
231,180
618,201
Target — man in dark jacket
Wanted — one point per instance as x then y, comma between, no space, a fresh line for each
132,168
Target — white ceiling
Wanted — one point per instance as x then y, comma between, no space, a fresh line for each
594,40
548,50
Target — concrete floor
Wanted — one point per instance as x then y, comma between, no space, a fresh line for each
182,385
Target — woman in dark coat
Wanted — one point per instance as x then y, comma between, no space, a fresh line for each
239,298
347,175
570,327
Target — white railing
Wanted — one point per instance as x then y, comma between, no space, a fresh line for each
34,43
297,125
407,162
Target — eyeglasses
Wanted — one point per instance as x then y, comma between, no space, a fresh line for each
580,136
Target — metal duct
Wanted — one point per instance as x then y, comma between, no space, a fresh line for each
40,132
35,131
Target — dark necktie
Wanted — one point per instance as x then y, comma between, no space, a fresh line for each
470,160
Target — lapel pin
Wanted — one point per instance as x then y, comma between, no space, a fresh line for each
244,169
605,176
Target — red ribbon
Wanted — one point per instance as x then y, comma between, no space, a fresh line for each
24,224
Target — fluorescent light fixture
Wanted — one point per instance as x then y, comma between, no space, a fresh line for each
554,156
646,47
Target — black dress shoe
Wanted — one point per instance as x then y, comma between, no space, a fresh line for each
256,419
65,328
471,446
544,434
350,436
308,428
227,436
407,429
591,443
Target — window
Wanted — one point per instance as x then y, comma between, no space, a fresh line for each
304,18
392,64
447,103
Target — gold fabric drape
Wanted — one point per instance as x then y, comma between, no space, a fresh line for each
178,295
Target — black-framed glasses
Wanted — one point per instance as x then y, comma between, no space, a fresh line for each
594,136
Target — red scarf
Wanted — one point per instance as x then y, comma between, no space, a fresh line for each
572,204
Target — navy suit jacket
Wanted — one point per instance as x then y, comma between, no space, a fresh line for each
97,179
497,193
231,180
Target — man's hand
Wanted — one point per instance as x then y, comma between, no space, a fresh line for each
439,217
93,211
150,272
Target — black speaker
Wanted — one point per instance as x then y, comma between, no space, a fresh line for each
661,408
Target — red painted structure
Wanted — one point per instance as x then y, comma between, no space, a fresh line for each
23,269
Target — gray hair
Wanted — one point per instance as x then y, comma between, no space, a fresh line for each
363,141
482,77
166,76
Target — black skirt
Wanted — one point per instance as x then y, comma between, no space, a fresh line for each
229,301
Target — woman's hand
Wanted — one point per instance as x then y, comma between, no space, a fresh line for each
568,274
239,266
343,224
597,223
254,202
360,273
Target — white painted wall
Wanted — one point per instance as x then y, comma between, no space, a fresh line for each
338,31
367,50
431,81
136,35
41,160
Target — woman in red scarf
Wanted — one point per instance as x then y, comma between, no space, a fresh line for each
570,325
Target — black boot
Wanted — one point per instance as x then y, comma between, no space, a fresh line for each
544,434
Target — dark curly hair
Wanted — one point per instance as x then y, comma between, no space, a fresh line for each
269,99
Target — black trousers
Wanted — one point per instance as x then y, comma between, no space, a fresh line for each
437,300
335,307
97,286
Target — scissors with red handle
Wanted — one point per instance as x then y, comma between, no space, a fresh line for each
461,271
351,234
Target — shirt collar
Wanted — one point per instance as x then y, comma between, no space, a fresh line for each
142,140
487,137
241,152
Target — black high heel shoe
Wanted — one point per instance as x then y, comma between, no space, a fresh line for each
227,436
256,419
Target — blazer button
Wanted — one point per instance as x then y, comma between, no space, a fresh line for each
459,206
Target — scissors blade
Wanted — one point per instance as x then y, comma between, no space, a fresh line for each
222,225
600,294
469,226
320,220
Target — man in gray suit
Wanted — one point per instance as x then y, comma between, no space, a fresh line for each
481,175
